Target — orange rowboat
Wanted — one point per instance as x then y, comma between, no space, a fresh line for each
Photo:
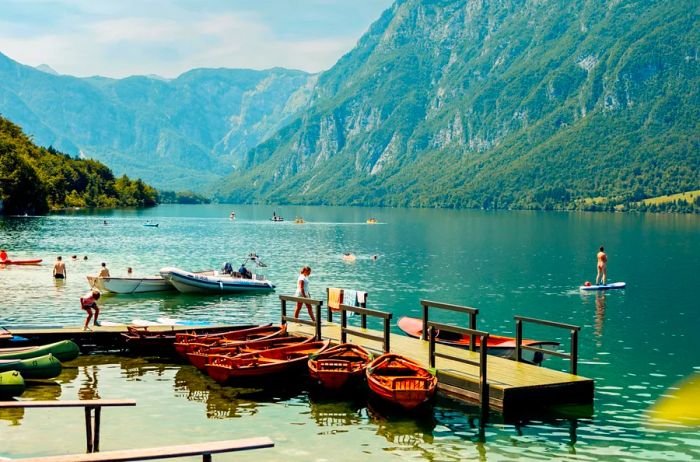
223,368
199,356
185,342
400,380
334,367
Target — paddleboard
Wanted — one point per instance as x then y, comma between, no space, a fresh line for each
614,285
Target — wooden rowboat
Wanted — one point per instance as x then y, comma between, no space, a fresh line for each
233,337
334,367
401,381
41,367
199,356
222,368
183,340
65,350
497,344
11,384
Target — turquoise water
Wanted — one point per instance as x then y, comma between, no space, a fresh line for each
636,343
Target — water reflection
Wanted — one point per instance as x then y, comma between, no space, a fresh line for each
399,427
599,316
336,411
88,386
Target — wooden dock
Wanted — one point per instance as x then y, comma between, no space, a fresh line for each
512,385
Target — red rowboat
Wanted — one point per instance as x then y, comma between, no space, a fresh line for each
21,262
185,342
400,380
335,366
497,345
199,356
142,340
275,361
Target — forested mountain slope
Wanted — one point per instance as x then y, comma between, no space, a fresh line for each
495,104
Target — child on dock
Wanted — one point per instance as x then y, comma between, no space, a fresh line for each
89,303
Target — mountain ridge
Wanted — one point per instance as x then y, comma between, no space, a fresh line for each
507,104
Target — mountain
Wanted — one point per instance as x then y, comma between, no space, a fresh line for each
496,104
46,68
176,134
35,179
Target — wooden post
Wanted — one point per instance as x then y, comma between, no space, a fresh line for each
343,325
472,337
88,428
329,314
206,457
318,320
284,312
573,366
387,334
424,332
96,430
518,340
363,321
431,347
483,382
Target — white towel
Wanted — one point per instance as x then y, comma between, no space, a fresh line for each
361,297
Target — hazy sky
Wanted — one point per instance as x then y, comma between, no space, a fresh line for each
117,38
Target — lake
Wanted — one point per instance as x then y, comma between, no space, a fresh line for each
635,343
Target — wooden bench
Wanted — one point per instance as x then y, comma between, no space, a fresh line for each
167,452
92,422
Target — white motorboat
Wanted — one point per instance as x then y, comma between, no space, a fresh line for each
130,285
227,281
214,282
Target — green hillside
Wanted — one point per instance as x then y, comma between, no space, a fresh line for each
35,180
504,104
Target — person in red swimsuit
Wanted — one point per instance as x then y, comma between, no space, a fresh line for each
89,303
3,255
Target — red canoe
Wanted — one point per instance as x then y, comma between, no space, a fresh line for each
400,380
275,361
199,356
498,345
184,343
334,367
21,262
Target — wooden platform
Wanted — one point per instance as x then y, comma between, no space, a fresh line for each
512,385
102,338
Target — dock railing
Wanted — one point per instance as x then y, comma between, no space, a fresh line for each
472,312
572,356
364,312
329,308
433,327
316,304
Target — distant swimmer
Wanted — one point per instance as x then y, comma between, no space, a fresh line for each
602,267
374,257
104,222
3,255
348,256
59,268
129,271
104,272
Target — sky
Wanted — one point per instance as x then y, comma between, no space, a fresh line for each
118,38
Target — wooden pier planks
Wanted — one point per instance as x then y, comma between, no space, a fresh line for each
511,384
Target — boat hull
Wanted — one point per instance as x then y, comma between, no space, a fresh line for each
22,262
65,350
337,366
130,285
186,342
200,357
41,367
11,384
188,282
400,381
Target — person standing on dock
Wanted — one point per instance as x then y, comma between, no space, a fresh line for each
3,255
303,291
59,268
104,272
602,274
89,304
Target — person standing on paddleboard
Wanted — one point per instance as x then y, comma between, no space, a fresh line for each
602,267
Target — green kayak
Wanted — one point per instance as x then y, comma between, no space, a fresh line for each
11,384
42,367
65,350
